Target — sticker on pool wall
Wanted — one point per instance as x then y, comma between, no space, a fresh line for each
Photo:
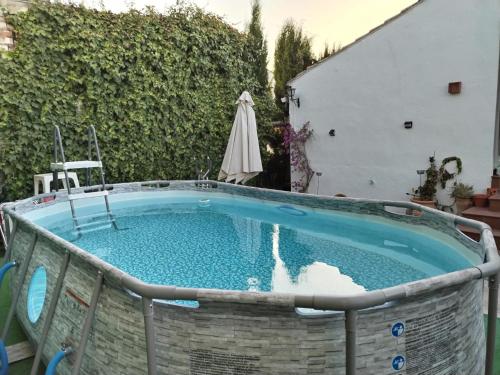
398,329
398,362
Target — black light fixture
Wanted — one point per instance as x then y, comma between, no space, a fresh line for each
290,91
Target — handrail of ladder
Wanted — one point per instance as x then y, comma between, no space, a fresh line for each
57,143
202,174
55,177
92,139
93,135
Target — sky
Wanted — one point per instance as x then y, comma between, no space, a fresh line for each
326,21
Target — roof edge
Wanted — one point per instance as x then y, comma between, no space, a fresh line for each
357,40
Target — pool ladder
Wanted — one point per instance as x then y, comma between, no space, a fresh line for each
202,173
62,165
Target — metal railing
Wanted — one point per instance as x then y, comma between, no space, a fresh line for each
349,304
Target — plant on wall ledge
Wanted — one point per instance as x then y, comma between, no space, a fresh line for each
463,196
295,141
427,191
425,194
444,175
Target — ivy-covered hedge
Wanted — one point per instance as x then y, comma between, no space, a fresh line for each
159,88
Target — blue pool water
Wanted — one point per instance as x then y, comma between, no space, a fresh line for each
220,241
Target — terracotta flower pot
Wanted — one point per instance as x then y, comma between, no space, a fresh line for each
480,200
426,203
462,204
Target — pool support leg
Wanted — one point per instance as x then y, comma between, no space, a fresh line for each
50,314
88,324
350,341
24,270
10,243
492,322
147,308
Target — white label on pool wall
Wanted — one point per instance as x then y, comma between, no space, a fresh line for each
430,343
208,362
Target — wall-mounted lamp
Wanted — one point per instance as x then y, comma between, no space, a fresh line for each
332,132
290,92
408,124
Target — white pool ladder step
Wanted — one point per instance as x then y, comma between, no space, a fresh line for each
93,226
63,165
83,164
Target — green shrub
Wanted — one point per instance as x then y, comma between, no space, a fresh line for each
461,190
159,88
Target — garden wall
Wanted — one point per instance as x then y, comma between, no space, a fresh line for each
159,88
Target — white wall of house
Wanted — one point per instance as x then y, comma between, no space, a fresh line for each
399,73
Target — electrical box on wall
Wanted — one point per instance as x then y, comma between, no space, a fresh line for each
408,124
454,88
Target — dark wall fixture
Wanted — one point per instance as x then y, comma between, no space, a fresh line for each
454,88
332,133
408,124
290,91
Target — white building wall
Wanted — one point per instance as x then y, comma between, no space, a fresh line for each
401,73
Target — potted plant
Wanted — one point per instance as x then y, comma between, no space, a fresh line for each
463,196
480,200
424,194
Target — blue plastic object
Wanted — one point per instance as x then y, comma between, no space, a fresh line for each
5,268
36,294
52,366
4,367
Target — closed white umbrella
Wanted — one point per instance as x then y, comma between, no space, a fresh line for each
242,159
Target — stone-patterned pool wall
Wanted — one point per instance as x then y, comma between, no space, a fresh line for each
443,331
116,344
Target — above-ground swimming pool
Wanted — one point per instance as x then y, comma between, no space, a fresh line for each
211,278
217,240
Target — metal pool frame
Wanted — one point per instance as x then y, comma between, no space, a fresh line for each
490,269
